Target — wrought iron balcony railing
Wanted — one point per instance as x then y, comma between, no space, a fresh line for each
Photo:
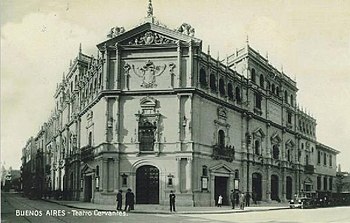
223,152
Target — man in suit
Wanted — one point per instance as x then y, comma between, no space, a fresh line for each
233,199
172,201
119,200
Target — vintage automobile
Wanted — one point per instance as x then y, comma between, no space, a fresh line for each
302,202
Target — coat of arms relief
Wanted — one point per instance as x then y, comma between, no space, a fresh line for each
148,73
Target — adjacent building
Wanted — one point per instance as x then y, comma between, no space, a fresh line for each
153,112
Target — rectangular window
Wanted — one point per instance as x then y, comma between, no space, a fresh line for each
330,160
324,159
318,183
330,183
146,136
325,183
318,157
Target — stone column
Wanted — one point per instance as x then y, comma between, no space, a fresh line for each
116,68
116,173
189,175
105,175
105,58
283,184
190,72
178,174
268,183
179,64
212,189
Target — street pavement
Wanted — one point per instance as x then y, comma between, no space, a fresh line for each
12,204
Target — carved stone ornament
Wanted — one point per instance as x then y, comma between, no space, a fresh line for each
115,31
148,73
150,38
186,29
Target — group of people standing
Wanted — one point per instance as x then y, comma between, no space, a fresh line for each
129,200
237,198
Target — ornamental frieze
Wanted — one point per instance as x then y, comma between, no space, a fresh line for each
148,73
150,38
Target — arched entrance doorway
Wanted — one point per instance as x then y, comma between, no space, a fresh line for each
274,188
289,186
256,186
147,185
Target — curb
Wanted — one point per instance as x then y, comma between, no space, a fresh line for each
171,213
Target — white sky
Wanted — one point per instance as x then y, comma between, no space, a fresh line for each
311,39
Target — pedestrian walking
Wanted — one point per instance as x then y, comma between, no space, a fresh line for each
129,200
172,201
119,200
220,201
254,198
242,201
233,199
247,198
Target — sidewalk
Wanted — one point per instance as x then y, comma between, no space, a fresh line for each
160,209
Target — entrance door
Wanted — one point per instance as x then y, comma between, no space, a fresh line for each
147,185
256,186
221,189
88,188
289,187
274,188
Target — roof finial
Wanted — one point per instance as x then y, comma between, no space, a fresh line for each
267,55
218,58
208,49
150,9
247,41
79,47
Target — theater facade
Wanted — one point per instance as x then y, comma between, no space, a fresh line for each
154,112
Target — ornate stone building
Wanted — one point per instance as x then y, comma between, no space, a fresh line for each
154,113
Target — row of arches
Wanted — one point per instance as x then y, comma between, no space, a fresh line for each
224,90
257,191
272,87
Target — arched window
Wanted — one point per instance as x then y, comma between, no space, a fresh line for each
202,77
236,174
204,171
71,87
257,147
253,76
288,155
222,86
76,82
273,88
238,94
262,80
278,91
90,138
97,171
258,100
291,100
100,80
212,82
268,85
221,138
230,91
286,96
275,152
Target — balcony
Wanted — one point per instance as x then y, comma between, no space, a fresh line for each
87,153
309,169
223,152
